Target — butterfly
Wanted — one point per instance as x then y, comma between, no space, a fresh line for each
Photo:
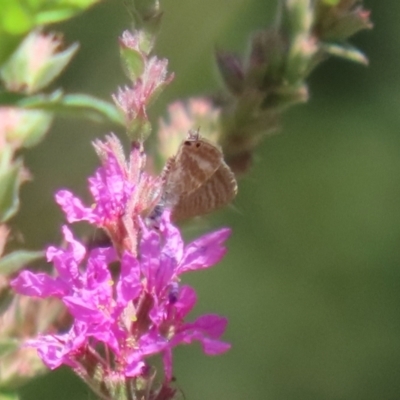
196,181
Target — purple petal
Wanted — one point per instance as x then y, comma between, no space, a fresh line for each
105,335
187,300
173,240
39,285
210,346
73,208
84,309
97,271
152,343
162,276
149,256
67,261
204,251
129,285
49,349
214,347
56,350
211,324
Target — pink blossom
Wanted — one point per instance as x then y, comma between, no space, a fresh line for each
140,312
121,191
133,101
126,302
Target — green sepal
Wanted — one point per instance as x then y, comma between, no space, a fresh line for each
138,130
32,126
146,15
298,60
284,97
13,262
159,89
297,17
266,60
53,68
346,51
133,62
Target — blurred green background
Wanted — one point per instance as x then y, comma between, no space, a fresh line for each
311,282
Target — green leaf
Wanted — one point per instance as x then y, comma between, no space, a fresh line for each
15,18
76,105
345,50
9,187
77,4
36,124
62,10
19,17
13,262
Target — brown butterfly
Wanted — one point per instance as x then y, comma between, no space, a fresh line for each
197,180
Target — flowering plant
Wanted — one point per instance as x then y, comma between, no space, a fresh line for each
126,301
112,305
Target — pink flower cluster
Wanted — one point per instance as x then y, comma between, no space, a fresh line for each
127,303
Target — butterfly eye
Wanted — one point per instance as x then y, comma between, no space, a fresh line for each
187,143
197,145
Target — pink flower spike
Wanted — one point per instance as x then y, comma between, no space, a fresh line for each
133,101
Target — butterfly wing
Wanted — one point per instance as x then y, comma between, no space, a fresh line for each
195,162
219,190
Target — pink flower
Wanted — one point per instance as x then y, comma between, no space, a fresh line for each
121,191
126,301
149,77
182,117
134,100
136,312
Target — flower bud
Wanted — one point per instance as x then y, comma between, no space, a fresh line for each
36,63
